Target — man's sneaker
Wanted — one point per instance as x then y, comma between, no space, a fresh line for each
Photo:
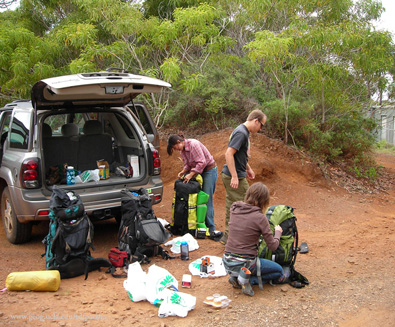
216,235
224,239
234,282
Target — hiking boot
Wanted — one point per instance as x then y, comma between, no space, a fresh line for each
247,289
224,239
216,235
233,281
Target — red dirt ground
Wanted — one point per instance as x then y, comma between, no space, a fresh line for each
350,264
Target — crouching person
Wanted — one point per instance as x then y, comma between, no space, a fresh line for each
247,223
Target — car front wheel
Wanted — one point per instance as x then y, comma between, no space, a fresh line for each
15,231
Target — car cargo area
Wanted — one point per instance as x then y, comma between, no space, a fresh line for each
88,139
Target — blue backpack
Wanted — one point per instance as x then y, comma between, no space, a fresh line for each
70,237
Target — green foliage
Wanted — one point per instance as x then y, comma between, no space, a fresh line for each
171,69
384,147
364,167
341,137
313,65
217,98
371,173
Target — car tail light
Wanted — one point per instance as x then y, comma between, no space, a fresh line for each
29,174
43,213
157,163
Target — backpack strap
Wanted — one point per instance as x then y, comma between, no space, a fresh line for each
165,254
139,257
295,246
258,272
111,271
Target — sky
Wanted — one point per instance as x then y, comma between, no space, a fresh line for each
387,21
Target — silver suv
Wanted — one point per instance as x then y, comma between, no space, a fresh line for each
76,120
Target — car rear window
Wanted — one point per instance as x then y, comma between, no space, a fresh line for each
19,137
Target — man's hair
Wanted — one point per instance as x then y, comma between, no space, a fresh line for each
258,195
256,114
172,141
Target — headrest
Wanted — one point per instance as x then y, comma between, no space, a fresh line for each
47,130
70,129
93,127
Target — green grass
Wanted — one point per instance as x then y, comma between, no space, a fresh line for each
384,147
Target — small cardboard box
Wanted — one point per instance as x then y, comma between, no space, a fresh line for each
104,170
186,281
200,233
210,269
134,162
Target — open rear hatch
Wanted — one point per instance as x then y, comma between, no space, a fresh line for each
115,89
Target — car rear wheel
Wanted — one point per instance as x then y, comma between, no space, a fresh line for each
15,231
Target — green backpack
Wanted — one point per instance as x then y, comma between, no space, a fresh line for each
285,254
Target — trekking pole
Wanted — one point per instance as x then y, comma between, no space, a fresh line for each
295,246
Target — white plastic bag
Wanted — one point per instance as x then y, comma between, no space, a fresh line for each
176,242
135,284
158,279
88,175
164,222
176,304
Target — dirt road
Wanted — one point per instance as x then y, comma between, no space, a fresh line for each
350,264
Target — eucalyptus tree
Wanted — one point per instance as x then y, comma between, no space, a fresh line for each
329,50
175,50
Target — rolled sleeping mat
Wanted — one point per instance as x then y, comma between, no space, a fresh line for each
43,281
201,211
202,198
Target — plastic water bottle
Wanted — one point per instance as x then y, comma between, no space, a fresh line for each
184,251
70,175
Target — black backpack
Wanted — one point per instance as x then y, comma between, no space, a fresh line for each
70,236
285,254
140,232
184,207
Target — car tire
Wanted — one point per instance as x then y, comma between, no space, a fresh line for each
15,231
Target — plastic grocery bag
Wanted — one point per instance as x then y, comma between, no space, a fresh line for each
46,280
158,279
218,266
135,283
88,175
176,242
175,304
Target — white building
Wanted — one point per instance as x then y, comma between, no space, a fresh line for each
385,116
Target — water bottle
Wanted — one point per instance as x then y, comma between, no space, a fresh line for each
70,175
184,251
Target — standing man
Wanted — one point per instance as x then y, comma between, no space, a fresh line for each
237,168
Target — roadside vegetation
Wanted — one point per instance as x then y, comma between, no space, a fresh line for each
312,66
384,147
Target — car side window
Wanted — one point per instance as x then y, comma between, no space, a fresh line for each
125,126
143,119
19,135
141,115
5,125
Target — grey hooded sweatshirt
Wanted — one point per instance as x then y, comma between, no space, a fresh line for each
246,224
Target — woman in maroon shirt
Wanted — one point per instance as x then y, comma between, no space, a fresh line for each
198,160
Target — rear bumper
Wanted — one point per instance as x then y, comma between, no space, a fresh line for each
33,205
